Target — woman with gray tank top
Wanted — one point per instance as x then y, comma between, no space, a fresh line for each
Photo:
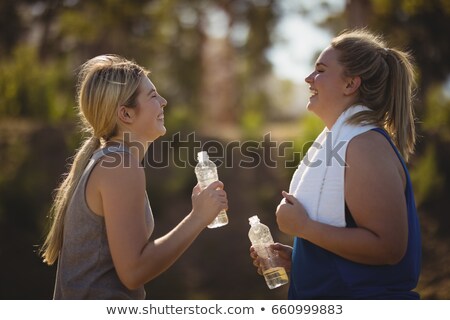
102,220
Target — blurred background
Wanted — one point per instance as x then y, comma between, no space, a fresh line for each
232,70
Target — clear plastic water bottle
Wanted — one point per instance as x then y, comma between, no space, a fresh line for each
261,239
206,172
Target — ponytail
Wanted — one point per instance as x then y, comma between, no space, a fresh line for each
399,118
53,243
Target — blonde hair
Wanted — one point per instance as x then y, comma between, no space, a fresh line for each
387,84
104,83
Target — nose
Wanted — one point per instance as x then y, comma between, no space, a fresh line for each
309,78
163,102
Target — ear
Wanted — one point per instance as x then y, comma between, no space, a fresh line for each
125,114
352,85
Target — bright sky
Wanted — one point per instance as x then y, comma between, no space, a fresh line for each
299,40
294,59
302,38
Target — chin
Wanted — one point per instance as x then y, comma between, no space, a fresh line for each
163,131
156,134
310,107
160,133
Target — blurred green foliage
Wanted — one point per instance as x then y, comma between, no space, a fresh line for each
437,115
431,169
32,89
426,177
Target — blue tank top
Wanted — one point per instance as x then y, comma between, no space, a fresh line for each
319,274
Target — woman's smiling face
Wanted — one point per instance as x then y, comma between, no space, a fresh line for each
327,85
150,111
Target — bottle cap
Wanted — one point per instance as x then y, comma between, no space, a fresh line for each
202,156
253,220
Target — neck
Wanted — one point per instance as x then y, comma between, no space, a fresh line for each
137,148
331,119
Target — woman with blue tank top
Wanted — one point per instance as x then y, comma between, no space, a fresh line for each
351,206
102,220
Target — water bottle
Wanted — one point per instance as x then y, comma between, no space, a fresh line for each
261,239
206,172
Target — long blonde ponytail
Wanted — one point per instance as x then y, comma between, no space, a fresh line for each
53,242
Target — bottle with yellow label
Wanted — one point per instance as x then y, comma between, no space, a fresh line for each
261,239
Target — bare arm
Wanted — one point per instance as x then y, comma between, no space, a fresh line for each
374,192
136,258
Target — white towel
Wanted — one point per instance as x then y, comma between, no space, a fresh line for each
318,182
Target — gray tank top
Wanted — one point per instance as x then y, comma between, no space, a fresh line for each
85,267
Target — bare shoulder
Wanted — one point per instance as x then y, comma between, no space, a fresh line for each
115,173
373,149
370,157
118,170
114,176
369,145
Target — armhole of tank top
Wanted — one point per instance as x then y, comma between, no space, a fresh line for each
349,221
399,156
86,206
